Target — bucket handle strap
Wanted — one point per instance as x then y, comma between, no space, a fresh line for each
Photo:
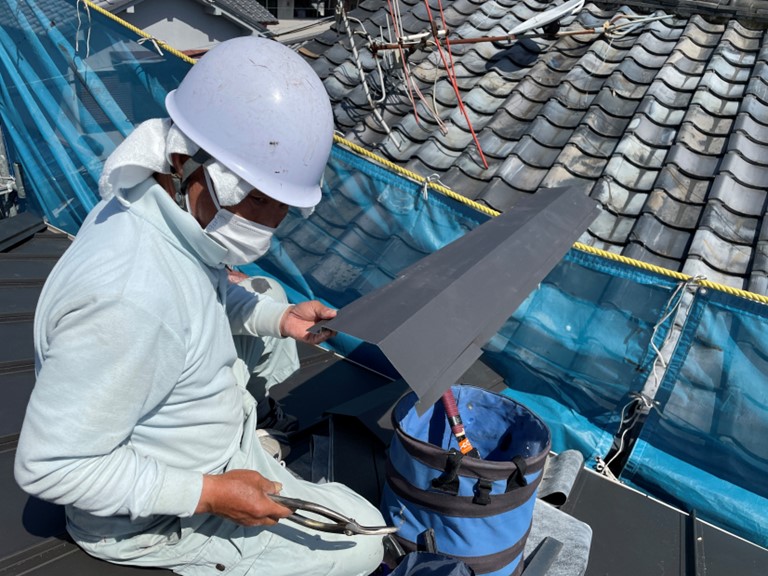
448,481
483,492
517,478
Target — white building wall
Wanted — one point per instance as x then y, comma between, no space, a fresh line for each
182,24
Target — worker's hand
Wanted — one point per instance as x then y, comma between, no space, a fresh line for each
241,496
301,317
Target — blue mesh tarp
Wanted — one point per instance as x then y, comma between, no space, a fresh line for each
580,345
705,448
72,85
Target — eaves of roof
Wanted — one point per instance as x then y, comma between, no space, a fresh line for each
666,125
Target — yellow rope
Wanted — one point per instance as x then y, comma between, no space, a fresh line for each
578,245
411,175
139,31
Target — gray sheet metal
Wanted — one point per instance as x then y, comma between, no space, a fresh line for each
432,320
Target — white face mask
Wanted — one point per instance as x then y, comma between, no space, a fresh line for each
244,240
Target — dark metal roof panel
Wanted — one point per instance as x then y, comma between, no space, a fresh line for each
401,317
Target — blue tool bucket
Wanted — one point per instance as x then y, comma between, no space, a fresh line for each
480,509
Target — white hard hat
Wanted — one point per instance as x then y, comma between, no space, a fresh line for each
258,108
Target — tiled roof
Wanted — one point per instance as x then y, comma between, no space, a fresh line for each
666,126
249,11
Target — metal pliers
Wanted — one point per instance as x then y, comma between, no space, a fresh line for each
341,524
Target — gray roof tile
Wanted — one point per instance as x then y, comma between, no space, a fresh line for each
749,148
559,115
640,153
612,228
650,133
700,141
520,175
744,171
535,154
667,126
729,226
668,96
617,199
574,159
716,81
695,266
682,186
706,123
693,50
547,133
738,197
604,124
726,257
560,175
629,174
750,127
660,238
499,195
642,253
250,12
585,139
715,104
672,211
692,162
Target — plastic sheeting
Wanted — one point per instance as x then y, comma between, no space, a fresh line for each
71,87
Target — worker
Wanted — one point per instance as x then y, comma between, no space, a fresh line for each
141,422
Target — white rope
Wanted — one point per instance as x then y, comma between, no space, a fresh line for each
368,38
431,179
154,42
79,24
671,307
642,403
343,13
635,21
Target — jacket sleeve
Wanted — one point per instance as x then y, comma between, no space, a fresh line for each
102,367
253,314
